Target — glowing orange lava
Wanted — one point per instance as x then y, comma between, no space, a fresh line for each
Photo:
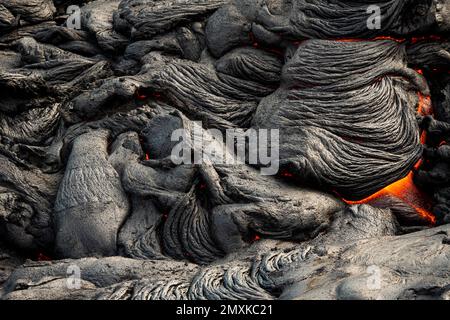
414,40
399,40
140,96
407,191
286,174
423,137
425,107
255,238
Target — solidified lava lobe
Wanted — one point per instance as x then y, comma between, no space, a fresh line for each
405,189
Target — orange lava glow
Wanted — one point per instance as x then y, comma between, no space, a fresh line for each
425,107
405,189
399,40
256,238
139,95
423,137
425,38
286,174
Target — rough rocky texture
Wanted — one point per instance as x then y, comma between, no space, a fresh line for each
332,270
342,19
91,204
146,18
26,201
86,166
30,11
429,55
97,18
434,175
9,261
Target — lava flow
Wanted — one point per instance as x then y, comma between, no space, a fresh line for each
405,189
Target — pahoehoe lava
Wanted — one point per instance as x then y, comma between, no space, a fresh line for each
90,99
